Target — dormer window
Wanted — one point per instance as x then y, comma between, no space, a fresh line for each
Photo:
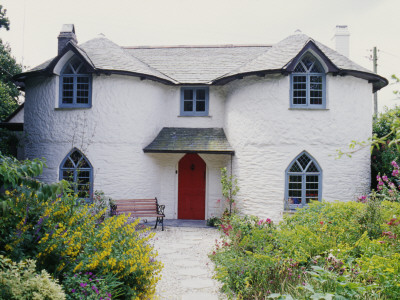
194,101
308,84
75,85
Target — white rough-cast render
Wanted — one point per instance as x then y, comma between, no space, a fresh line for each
267,135
126,115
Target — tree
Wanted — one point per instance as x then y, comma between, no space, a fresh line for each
8,68
4,21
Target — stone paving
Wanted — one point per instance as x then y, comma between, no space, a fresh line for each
188,271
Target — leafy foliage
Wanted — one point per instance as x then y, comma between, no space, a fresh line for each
4,21
8,68
48,223
326,251
20,281
229,188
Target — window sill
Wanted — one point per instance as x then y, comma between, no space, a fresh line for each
306,108
73,108
180,116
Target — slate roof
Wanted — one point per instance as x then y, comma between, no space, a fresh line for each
205,65
188,140
197,64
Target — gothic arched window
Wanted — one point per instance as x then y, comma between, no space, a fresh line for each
308,83
75,85
303,181
76,169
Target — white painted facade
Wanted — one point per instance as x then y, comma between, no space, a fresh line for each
127,114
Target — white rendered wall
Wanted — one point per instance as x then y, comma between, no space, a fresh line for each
267,136
126,115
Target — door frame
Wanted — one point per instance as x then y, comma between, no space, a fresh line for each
177,186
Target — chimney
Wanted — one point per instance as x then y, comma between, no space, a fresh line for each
67,34
342,37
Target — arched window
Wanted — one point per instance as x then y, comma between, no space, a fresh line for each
303,181
75,85
76,169
308,83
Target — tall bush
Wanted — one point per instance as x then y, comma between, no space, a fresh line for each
68,238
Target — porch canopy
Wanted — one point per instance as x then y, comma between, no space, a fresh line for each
190,140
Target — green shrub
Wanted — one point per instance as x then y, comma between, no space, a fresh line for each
89,286
66,237
338,250
20,281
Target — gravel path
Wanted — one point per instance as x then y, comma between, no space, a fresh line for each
188,271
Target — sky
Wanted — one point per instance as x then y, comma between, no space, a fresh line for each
35,25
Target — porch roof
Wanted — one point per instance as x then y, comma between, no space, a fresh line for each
190,140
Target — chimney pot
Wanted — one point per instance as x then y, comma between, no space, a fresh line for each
67,34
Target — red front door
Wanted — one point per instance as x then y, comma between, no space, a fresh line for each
191,187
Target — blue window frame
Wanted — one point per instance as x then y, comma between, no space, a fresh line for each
76,169
194,101
303,181
75,85
308,84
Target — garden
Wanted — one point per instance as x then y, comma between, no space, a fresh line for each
328,250
53,247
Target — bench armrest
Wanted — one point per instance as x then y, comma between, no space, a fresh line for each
113,209
160,209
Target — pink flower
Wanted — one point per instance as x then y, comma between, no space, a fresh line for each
260,222
394,164
269,221
322,223
384,177
395,172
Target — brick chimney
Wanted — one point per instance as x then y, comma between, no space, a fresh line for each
342,38
67,34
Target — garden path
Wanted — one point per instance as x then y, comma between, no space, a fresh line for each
187,272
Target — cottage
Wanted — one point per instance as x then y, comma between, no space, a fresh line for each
140,122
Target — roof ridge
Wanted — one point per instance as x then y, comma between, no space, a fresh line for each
198,46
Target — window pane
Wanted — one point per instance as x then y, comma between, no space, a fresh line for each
68,164
75,65
68,175
83,174
187,105
295,168
299,68
68,90
295,189
68,70
303,160
201,94
188,95
200,105
75,157
312,168
299,89
83,163
82,91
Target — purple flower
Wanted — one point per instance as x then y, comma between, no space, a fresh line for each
73,291
108,294
95,289
83,284
395,172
